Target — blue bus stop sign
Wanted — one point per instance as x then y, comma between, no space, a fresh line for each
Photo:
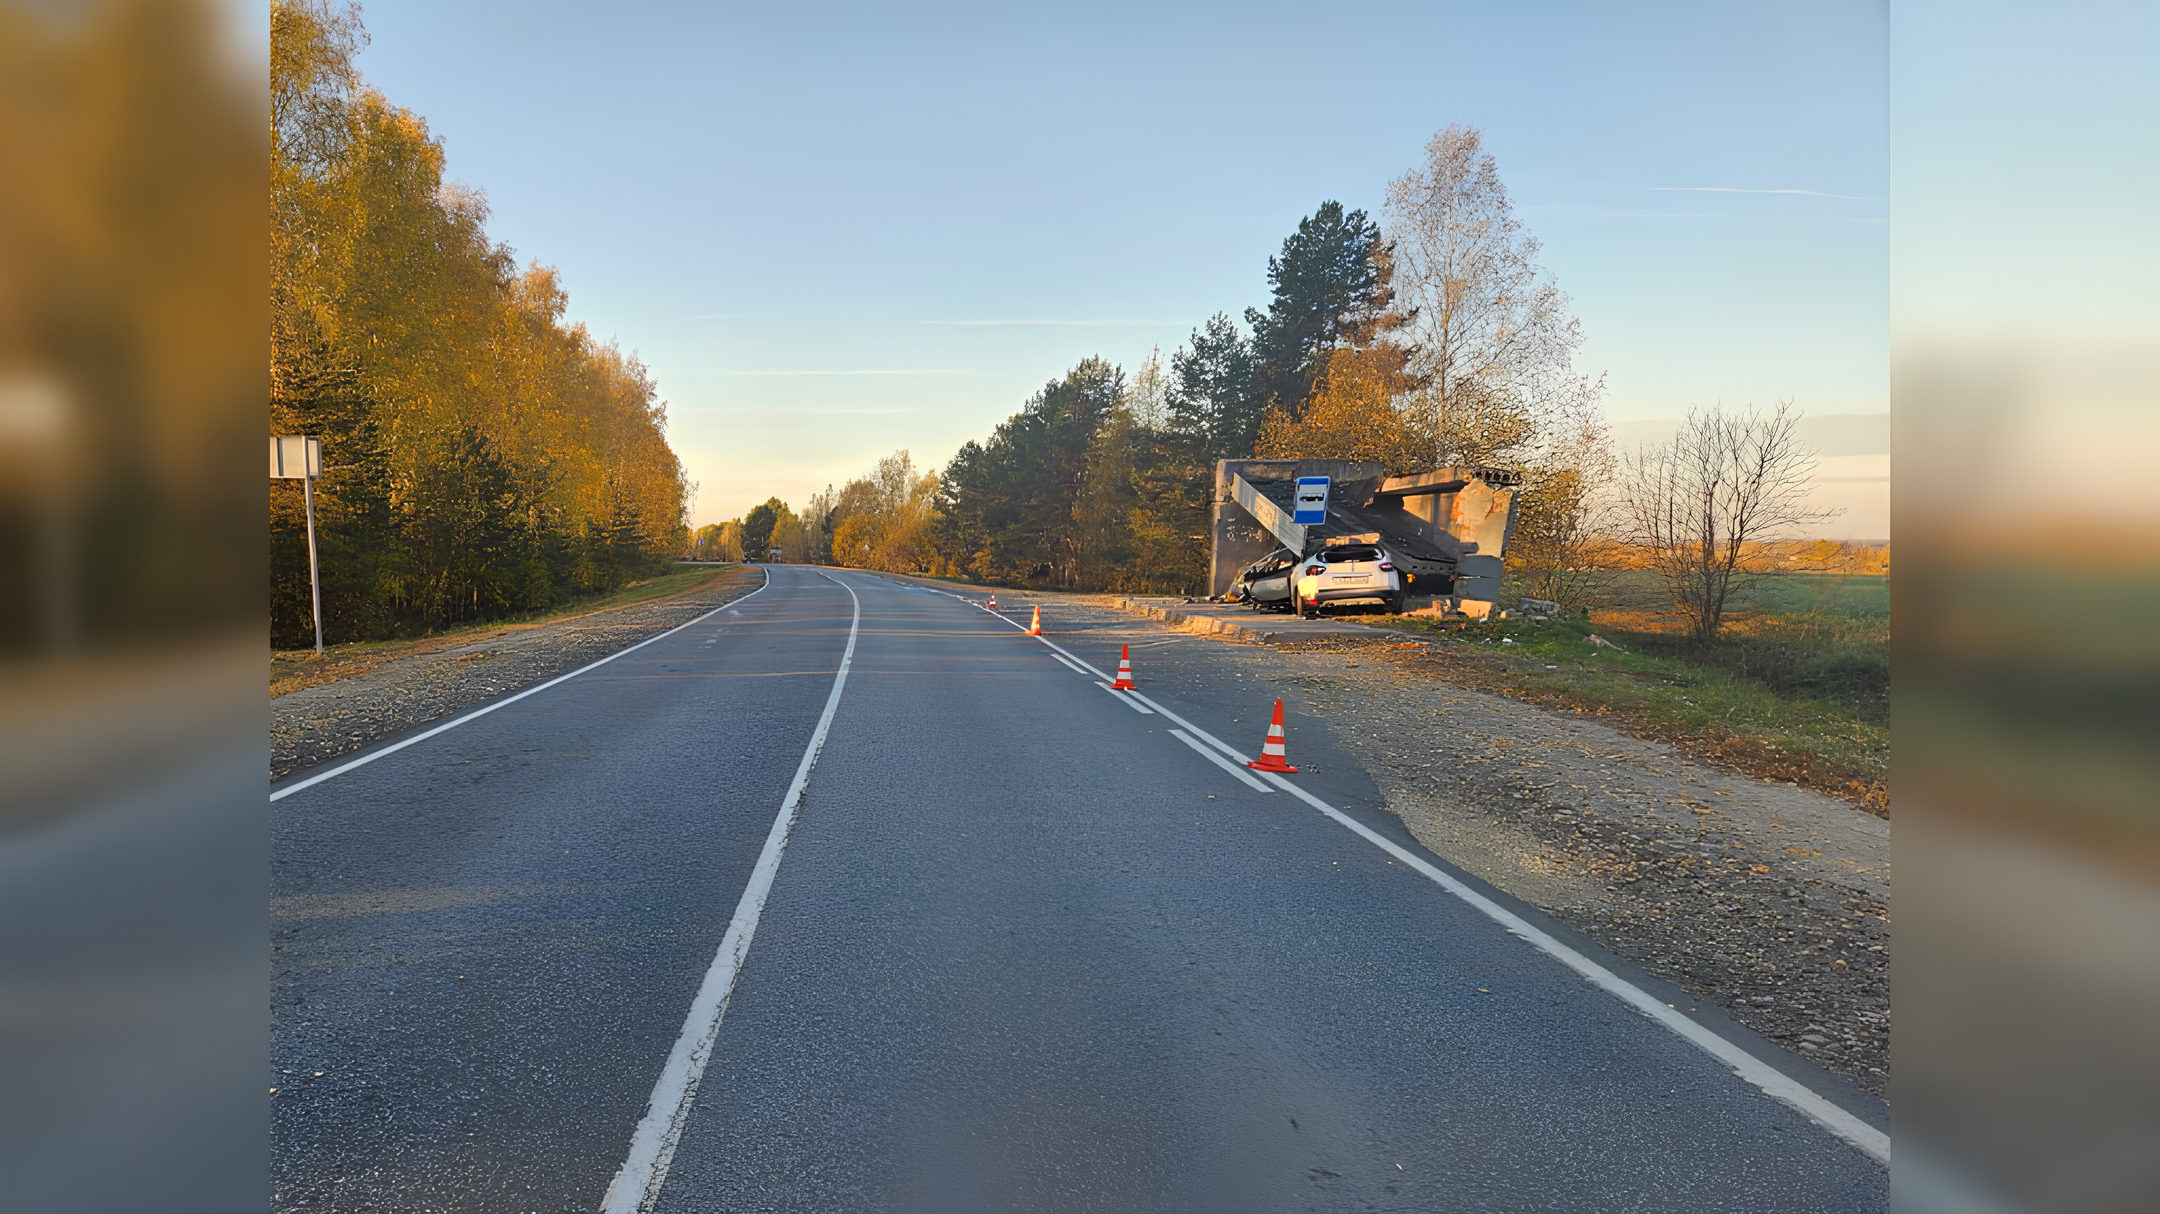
1312,494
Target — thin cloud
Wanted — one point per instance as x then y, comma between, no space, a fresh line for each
768,410
896,371
1570,208
1085,324
1726,189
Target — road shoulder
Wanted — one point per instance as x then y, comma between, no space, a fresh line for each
314,725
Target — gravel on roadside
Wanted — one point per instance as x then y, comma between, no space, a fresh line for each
316,724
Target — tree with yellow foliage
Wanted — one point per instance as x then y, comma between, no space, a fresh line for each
481,454
1354,413
885,520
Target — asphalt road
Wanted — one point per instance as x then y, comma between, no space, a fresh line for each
1025,949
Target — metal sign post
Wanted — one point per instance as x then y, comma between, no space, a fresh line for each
297,458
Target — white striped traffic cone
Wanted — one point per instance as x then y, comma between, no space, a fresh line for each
1035,629
993,602
1272,755
1124,670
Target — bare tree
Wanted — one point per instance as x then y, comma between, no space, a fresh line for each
1493,333
1696,504
1568,523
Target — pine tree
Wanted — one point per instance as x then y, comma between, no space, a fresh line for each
1214,398
1333,287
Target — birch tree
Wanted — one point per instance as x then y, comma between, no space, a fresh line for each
1493,335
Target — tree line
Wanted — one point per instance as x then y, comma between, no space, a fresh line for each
481,456
1436,340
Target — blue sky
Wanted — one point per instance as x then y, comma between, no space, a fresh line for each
820,225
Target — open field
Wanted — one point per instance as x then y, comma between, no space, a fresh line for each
1803,698
1856,595
293,669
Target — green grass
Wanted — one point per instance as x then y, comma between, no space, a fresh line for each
660,587
1858,596
684,578
1824,720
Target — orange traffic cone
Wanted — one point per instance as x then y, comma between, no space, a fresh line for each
1124,670
1035,629
1272,755
993,602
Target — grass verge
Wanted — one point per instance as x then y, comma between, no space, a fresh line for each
1734,706
294,669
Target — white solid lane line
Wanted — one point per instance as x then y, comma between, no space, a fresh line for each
1773,1082
636,1186
1069,666
393,748
1745,1065
1122,700
1219,761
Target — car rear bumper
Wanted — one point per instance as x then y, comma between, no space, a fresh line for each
1344,594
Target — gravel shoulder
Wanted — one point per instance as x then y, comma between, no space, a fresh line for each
316,724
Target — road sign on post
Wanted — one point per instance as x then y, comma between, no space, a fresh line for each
1312,494
297,458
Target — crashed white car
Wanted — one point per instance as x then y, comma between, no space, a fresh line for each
1265,584
1348,573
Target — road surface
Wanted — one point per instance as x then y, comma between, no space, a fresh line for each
986,937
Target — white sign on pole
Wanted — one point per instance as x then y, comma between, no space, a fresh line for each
293,458
1312,494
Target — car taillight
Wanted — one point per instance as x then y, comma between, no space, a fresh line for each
1387,564
1316,571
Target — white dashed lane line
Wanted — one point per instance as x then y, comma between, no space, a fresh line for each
1219,761
1132,704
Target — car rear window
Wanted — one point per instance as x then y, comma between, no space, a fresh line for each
1337,555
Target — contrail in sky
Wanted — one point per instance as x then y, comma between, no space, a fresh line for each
904,371
1726,189
1095,324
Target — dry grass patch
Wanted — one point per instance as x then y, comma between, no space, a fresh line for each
294,669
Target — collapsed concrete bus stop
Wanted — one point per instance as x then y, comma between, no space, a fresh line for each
1447,529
